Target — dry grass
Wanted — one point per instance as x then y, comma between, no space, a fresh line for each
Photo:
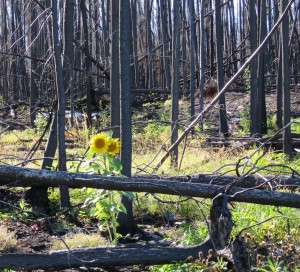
8,242
79,240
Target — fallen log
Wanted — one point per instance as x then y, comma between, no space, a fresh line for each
24,177
245,182
97,257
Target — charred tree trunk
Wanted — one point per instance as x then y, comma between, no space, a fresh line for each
125,221
88,63
261,114
287,138
114,70
192,61
163,10
220,72
254,129
61,109
175,83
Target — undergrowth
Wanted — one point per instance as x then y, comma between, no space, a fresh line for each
272,233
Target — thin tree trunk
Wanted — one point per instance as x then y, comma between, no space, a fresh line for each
32,64
61,147
175,83
163,10
202,61
219,49
192,57
254,129
114,71
287,138
261,97
88,63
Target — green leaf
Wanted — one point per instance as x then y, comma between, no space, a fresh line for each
89,154
94,166
103,216
128,194
117,164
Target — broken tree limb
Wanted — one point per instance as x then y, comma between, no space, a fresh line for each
24,177
97,257
224,89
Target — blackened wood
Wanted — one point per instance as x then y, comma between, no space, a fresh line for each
14,176
220,73
107,256
114,70
287,138
175,83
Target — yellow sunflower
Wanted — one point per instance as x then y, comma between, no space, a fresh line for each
99,143
113,146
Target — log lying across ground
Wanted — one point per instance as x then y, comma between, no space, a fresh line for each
99,257
24,177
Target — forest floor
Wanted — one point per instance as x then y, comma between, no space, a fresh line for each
35,235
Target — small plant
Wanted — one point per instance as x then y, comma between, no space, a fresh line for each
247,79
104,203
273,267
244,120
40,123
193,235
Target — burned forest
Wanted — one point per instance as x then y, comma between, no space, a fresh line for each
149,135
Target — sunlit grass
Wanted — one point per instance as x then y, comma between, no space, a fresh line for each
7,240
80,240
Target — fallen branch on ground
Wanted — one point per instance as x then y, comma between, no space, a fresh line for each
24,177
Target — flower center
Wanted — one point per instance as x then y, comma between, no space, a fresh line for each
99,143
111,147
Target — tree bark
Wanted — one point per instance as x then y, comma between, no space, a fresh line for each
219,49
125,221
97,257
88,63
61,110
163,10
175,84
254,129
115,70
287,138
17,177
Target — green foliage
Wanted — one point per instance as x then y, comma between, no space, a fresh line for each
245,120
295,127
40,123
271,123
195,266
193,234
247,79
105,205
155,132
277,266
